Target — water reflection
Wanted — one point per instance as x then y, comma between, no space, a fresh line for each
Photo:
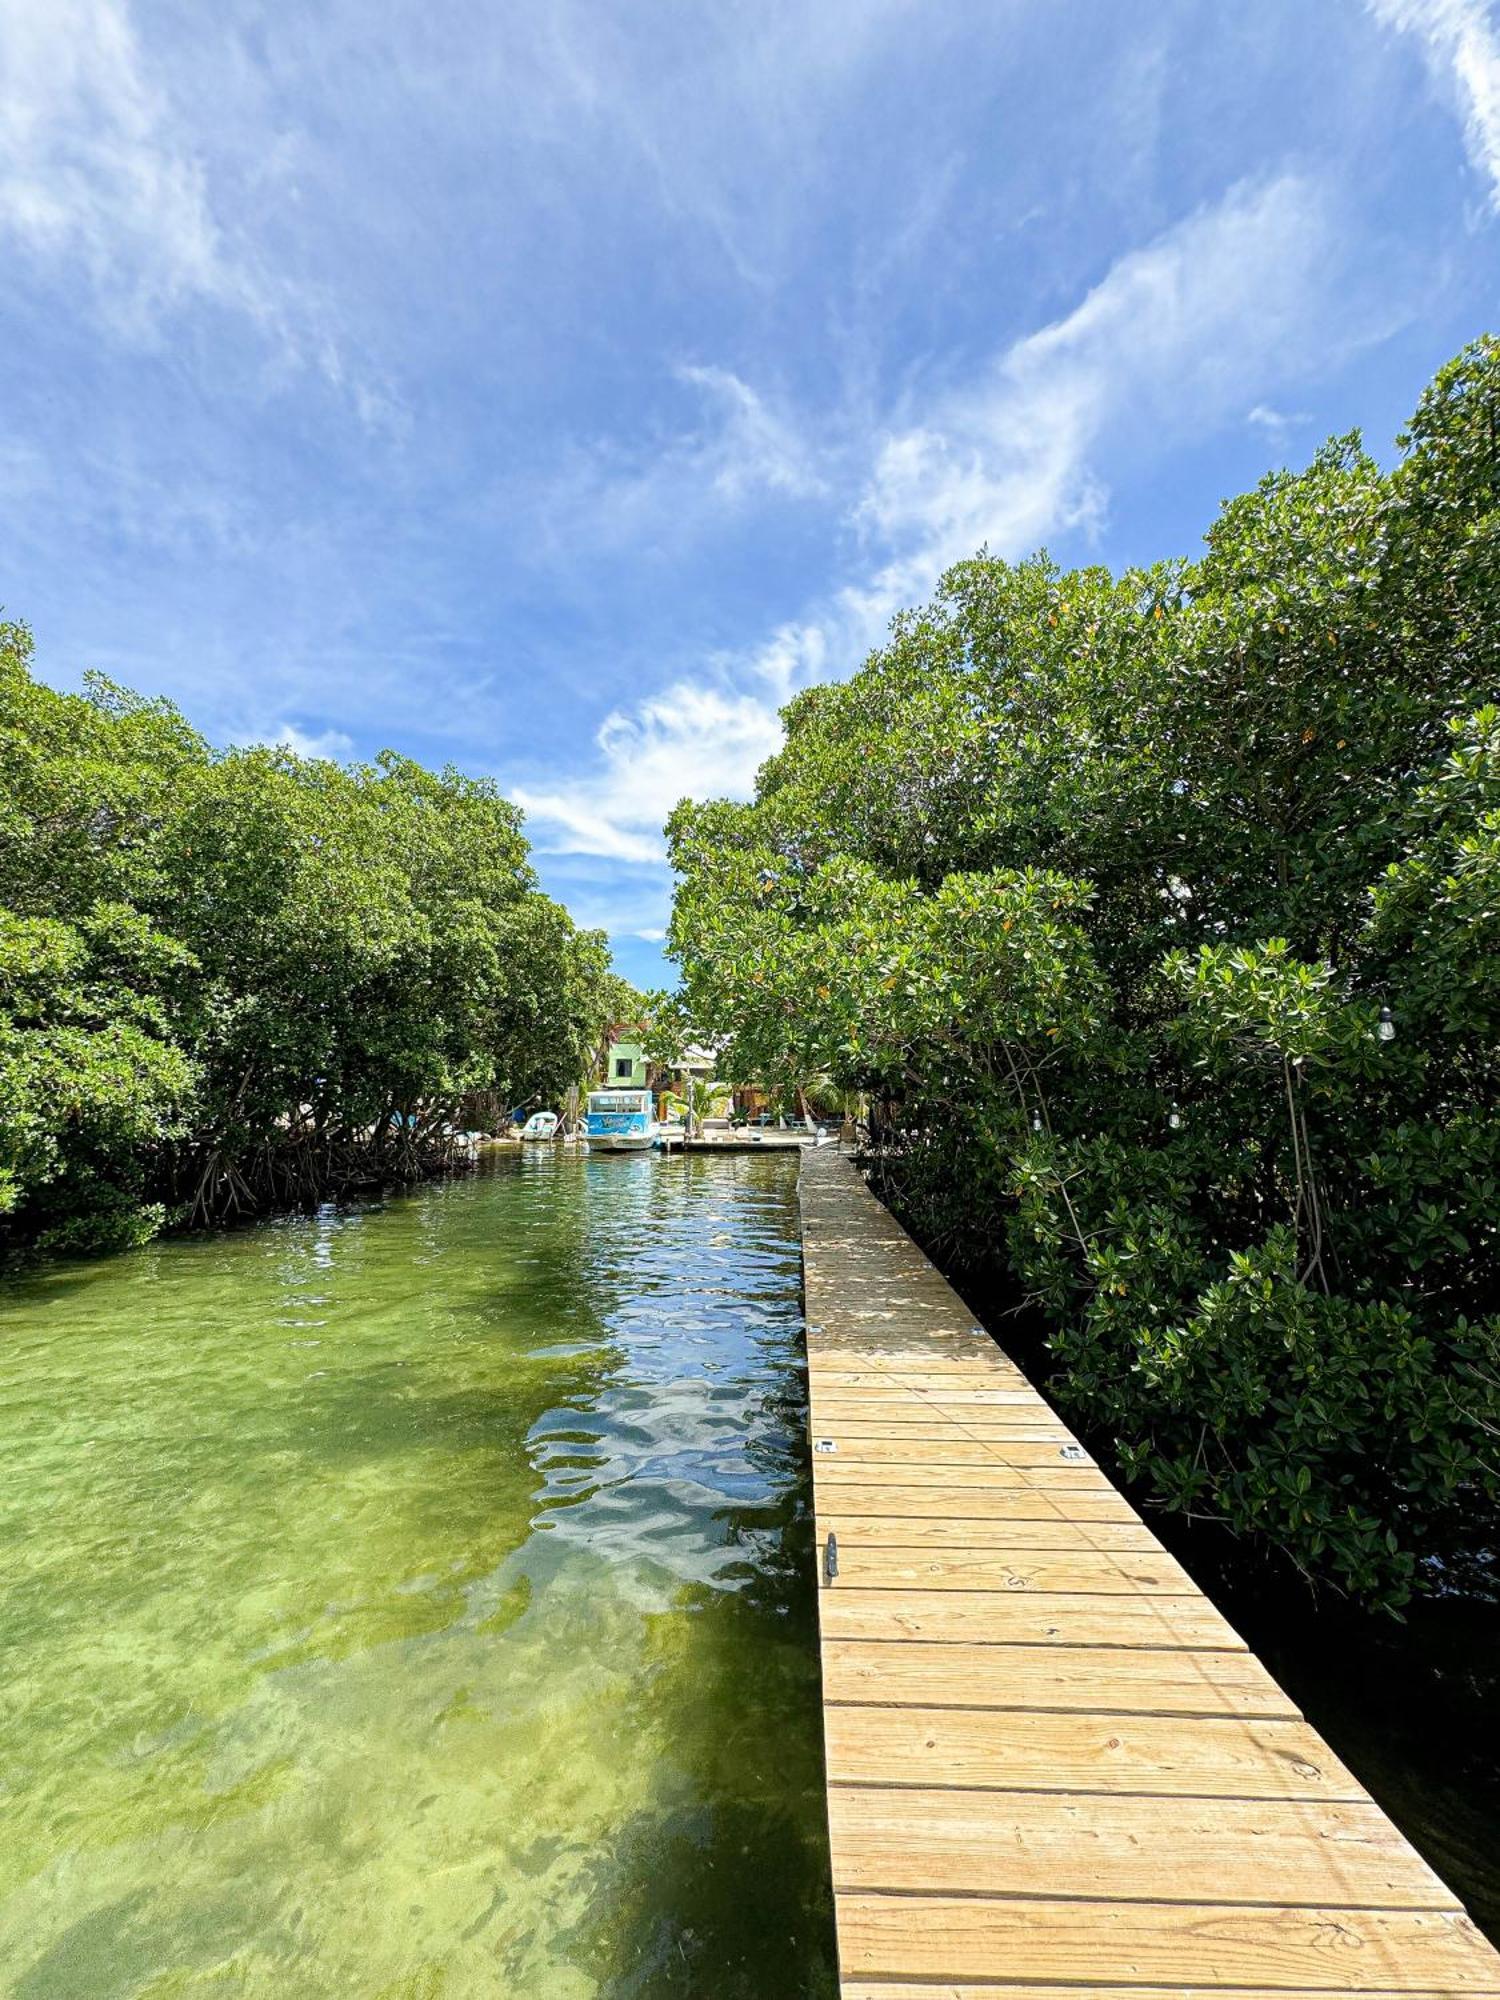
415,1603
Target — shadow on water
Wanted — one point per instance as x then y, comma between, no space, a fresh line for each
721,1885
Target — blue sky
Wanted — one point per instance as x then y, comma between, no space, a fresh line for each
554,389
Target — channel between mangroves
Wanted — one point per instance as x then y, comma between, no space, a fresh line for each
421,1600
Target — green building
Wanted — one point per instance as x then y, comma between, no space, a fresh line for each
626,1067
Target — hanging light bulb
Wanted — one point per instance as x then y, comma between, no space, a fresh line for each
1036,1121
1385,1027
1174,1119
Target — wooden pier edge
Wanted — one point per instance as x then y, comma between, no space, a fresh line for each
1051,1762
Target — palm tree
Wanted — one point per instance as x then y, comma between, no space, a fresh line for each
703,1094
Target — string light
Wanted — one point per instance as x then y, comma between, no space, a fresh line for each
1385,1027
1174,1119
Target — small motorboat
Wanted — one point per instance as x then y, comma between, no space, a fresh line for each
540,1125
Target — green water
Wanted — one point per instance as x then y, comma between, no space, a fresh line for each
414,1604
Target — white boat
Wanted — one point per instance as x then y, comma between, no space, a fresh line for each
540,1125
619,1121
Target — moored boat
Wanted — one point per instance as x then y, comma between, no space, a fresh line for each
619,1121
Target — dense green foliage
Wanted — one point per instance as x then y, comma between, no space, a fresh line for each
1098,886
233,981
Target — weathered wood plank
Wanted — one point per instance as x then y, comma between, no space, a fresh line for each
1095,1680
893,1499
920,1426
1058,1477
906,1404
1342,1855
1006,1989
1182,1756
922,1373
971,1532
953,1446
1001,1617
896,1397
1079,1943
1131,1573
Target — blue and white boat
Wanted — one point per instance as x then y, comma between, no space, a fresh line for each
619,1121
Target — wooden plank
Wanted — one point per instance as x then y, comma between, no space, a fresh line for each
894,1500
922,1374
954,1446
882,1989
974,1532
1080,1943
1001,1617
924,1346
870,1397
915,1353
928,1391
1344,1855
862,1567
900,1405
915,1423
1097,1680
1059,1477
1178,1756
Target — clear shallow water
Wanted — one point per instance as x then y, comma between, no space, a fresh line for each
415,1604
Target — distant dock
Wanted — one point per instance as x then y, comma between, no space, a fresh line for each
771,1140
739,1140
1052,1765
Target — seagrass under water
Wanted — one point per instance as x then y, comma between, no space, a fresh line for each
415,1603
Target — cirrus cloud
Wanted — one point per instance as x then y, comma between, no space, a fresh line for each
1461,44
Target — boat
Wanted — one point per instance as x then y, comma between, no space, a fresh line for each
619,1121
540,1125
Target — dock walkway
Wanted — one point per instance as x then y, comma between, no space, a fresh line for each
1051,1762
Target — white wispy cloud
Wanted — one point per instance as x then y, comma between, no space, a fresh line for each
1167,343
92,170
306,743
688,738
1275,424
752,445
733,447
103,180
1461,42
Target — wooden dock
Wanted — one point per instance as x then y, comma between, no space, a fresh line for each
1051,1762
769,1141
